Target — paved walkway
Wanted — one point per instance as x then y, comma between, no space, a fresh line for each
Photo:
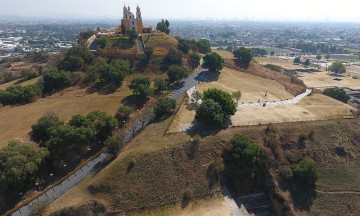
74,179
234,208
293,100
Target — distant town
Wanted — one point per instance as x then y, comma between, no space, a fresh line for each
19,36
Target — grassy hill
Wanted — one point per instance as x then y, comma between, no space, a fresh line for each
161,43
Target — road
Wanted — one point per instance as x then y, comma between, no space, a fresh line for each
74,179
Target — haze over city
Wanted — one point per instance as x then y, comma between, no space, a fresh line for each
279,10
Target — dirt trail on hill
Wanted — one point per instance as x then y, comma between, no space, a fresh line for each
338,192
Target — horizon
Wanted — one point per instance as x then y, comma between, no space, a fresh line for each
211,10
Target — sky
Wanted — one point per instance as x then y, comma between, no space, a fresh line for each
279,10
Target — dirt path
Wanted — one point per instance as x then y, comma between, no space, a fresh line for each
338,192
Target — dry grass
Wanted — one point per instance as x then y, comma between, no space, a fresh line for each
159,170
16,121
161,44
284,63
225,54
324,79
12,83
252,87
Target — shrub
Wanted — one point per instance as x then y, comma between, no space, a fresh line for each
123,114
244,151
164,106
286,172
176,73
210,113
56,80
41,131
20,94
306,172
338,94
114,144
273,67
161,84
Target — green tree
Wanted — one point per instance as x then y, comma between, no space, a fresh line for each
174,57
318,57
338,94
28,74
101,42
78,121
20,164
149,50
210,113
123,114
141,86
213,62
41,130
306,62
132,34
194,60
114,144
223,98
76,58
56,80
176,73
236,95
104,124
161,84
204,46
272,53
306,172
244,151
164,106
327,56
163,26
243,57
297,60
337,67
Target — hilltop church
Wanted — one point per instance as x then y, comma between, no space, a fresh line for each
132,22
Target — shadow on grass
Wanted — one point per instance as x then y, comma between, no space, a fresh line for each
303,197
207,130
134,100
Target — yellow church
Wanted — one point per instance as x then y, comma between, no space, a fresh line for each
132,22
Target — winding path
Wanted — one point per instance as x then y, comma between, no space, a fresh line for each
338,192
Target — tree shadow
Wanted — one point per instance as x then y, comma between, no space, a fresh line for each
192,149
303,197
208,76
134,100
102,89
206,130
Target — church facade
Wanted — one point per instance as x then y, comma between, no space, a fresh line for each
130,21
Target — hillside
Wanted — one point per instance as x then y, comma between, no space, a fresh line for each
166,166
160,43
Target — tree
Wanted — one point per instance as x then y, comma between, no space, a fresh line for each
174,57
272,53
123,114
149,50
141,86
297,60
104,124
244,151
20,164
56,80
243,57
327,56
194,60
318,57
204,46
163,26
338,94
223,98
337,67
176,73
123,29
196,95
306,62
76,58
114,144
210,113
78,121
213,62
164,106
306,172
236,95
161,84
101,42
41,131
132,34
28,74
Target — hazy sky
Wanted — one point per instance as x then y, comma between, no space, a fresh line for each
332,10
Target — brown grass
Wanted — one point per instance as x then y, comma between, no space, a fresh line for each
12,83
324,79
16,121
161,44
284,63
